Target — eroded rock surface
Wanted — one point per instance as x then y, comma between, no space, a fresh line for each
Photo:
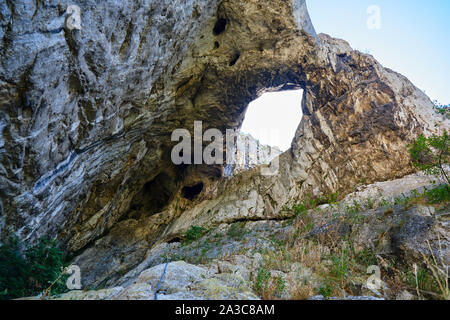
181,281
86,118
250,153
296,256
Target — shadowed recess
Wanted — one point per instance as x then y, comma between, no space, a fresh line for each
192,192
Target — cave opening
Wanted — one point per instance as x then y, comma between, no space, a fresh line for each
273,118
235,58
191,192
153,197
220,26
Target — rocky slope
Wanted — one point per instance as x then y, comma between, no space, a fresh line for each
86,118
326,250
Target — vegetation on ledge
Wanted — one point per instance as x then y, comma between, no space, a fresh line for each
38,269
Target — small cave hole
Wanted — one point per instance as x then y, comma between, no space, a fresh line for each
174,240
216,44
192,192
220,26
236,57
153,197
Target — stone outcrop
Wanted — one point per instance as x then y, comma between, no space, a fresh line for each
405,233
86,118
182,281
225,263
250,153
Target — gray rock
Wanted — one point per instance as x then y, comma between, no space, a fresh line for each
405,295
86,118
346,298
178,277
181,281
104,294
250,153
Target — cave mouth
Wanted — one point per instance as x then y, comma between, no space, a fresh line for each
191,192
273,118
220,26
153,197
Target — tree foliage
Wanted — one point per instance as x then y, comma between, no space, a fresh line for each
432,155
443,110
31,272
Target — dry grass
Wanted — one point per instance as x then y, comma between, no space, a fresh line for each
333,266
439,271
301,291
338,269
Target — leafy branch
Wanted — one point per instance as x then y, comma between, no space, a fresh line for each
432,155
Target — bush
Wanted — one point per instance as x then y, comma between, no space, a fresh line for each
12,270
432,155
262,280
310,203
29,274
423,280
438,195
443,110
326,290
300,209
194,233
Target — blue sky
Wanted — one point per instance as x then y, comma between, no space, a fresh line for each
413,39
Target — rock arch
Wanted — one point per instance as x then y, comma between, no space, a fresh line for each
75,154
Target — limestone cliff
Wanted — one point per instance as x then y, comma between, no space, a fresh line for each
250,153
86,118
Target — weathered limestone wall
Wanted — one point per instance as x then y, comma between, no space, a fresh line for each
86,118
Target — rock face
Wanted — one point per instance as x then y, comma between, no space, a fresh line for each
182,281
250,153
405,232
86,118
228,262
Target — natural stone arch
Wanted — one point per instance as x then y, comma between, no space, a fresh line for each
198,68
349,99
350,104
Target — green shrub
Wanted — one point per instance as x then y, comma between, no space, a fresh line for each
432,155
280,286
29,274
300,209
326,290
438,195
340,264
333,198
366,257
423,281
443,110
194,233
309,226
310,202
339,267
13,281
262,279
